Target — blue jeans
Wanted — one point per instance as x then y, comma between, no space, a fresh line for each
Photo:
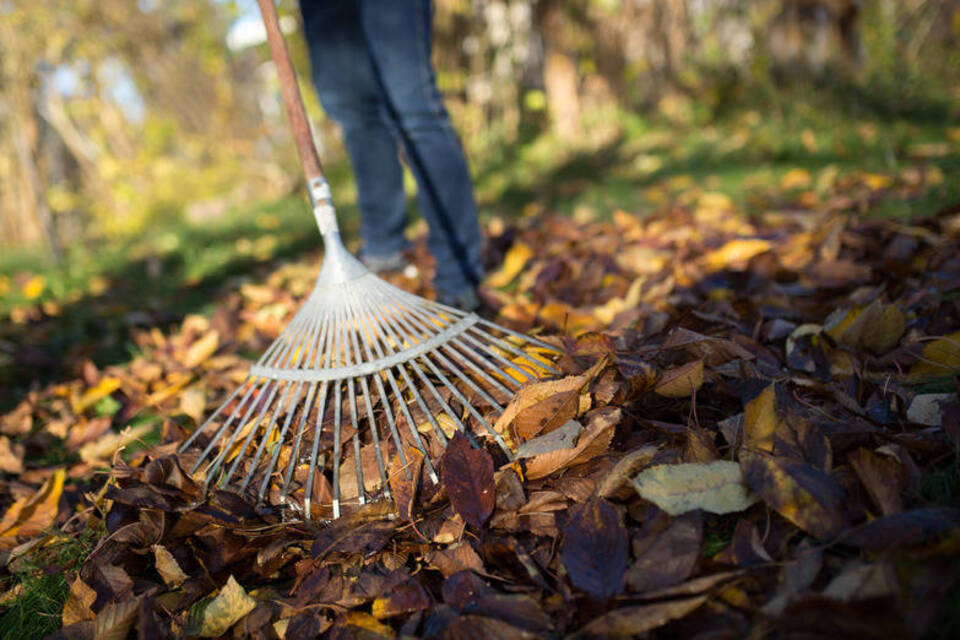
371,67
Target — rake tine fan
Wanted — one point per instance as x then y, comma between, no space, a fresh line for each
362,366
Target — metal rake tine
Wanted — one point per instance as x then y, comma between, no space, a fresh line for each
337,409
384,481
318,354
310,343
226,425
503,344
419,315
467,361
294,399
469,407
416,394
374,435
352,396
497,437
384,400
321,412
409,419
443,403
302,347
213,416
374,431
530,339
305,412
217,463
403,405
473,342
404,324
253,433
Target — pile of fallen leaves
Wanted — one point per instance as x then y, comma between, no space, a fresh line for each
741,443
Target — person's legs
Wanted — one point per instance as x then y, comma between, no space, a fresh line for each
351,94
398,34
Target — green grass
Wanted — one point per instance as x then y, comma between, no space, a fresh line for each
36,612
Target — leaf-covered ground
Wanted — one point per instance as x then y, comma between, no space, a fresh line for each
756,433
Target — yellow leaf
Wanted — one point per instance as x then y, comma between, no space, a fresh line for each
98,285
760,420
514,262
103,447
446,423
940,357
95,394
608,311
795,179
29,516
735,253
681,381
876,327
33,288
202,349
167,567
714,201
367,622
231,604
717,487
877,181
79,601
193,402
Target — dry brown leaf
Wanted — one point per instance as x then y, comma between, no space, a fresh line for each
193,402
682,381
34,514
167,567
80,599
632,622
458,557
541,407
761,420
103,449
404,480
202,349
717,487
11,456
594,440
114,620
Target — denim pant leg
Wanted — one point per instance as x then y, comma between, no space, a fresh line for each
351,94
398,33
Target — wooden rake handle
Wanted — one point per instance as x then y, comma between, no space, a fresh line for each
291,94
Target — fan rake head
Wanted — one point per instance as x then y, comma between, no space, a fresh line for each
364,366
362,362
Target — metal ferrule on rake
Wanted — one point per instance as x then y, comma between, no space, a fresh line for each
361,361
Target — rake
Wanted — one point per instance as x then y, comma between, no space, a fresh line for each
362,365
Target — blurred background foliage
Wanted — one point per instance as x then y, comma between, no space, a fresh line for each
130,130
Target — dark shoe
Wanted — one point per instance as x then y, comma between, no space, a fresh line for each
384,264
466,300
